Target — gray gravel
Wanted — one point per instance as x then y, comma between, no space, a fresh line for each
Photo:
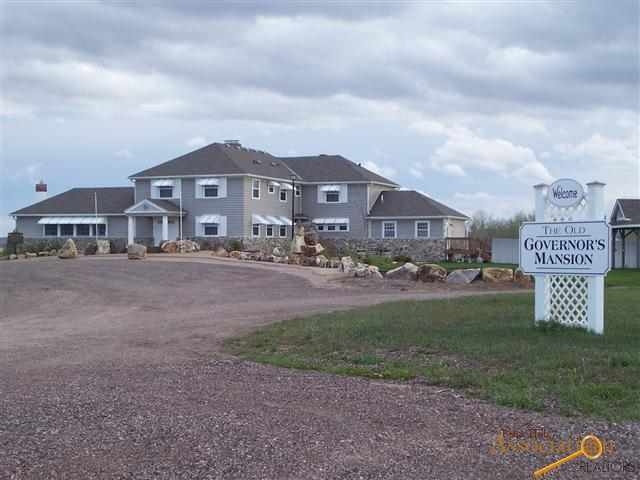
112,369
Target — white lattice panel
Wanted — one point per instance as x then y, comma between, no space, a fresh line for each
559,214
567,300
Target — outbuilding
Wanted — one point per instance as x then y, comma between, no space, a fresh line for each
625,230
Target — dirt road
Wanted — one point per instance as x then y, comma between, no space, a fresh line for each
112,369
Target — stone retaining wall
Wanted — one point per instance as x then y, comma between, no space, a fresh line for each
431,250
35,245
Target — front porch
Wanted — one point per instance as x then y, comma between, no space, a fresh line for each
158,219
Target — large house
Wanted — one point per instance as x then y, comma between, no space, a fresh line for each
625,228
227,190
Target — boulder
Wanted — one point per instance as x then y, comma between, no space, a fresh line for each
347,264
311,238
312,250
278,252
235,254
408,271
188,246
30,255
522,279
103,247
463,276
322,261
170,246
135,251
334,262
295,259
363,270
13,256
431,272
220,252
53,252
298,240
497,275
68,250
309,261
44,254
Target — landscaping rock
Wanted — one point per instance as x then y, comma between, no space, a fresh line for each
103,247
334,262
298,240
408,271
220,252
463,276
295,259
347,264
135,251
311,238
431,273
497,275
312,250
235,254
322,261
53,252
68,250
363,270
13,256
278,252
30,255
522,279
169,247
44,254
183,246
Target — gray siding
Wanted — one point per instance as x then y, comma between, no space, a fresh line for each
269,203
406,227
142,190
374,193
29,226
355,209
230,206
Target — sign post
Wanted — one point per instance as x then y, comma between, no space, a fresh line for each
567,249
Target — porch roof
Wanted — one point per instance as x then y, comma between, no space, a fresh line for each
154,207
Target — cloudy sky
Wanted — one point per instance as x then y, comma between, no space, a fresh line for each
470,102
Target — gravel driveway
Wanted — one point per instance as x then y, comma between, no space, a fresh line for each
112,369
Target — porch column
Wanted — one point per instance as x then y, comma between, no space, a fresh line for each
165,228
131,232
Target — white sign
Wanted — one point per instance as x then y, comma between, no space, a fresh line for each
573,248
565,192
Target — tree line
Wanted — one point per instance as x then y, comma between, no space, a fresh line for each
485,227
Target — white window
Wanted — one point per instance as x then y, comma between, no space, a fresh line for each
255,229
423,229
255,189
165,192
269,231
271,188
320,228
102,230
298,190
331,228
343,227
211,225
283,195
210,191
332,197
283,230
389,229
66,230
210,229
51,230
83,230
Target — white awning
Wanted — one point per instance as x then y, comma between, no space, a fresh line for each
209,219
274,184
208,181
259,219
72,220
163,183
286,186
285,221
330,188
274,220
330,221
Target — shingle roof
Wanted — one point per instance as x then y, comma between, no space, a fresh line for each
409,203
81,200
220,159
631,210
332,168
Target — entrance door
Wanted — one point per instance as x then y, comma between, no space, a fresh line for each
157,230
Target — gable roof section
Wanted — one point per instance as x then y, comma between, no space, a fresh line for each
409,203
630,209
220,159
111,200
332,168
148,206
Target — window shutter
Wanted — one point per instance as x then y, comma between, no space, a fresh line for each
222,227
198,227
321,195
344,197
222,187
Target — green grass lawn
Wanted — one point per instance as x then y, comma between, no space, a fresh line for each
485,345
